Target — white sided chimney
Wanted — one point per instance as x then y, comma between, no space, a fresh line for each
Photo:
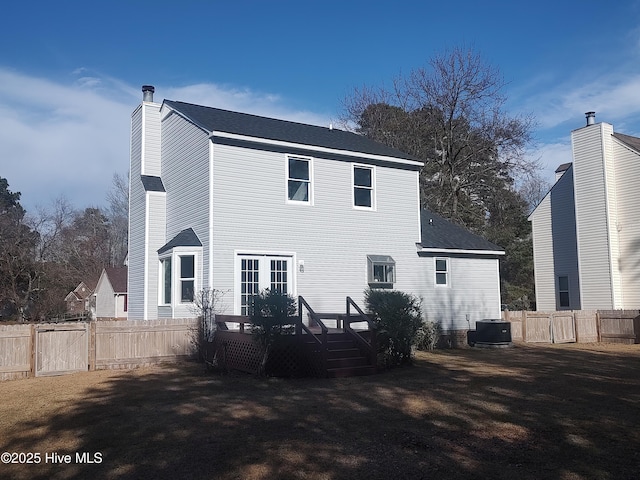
147,93
591,118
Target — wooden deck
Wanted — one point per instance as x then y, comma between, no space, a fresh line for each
313,350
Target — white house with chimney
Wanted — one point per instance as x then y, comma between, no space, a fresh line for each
586,230
240,203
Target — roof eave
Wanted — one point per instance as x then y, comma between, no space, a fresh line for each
315,148
459,251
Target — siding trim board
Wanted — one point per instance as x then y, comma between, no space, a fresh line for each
275,146
209,281
459,252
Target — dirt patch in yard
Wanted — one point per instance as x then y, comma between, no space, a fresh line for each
554,411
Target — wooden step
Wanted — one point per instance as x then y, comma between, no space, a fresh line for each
344,353
347,362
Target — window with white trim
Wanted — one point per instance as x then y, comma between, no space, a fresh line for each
165,282
563,291
363,187
299,180
442,272
381,271
179,282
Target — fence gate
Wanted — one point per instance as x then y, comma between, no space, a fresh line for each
563,329
61,348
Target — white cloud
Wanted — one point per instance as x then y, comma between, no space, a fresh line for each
68,139
241,100
613,96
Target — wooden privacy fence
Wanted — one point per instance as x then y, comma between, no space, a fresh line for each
583,326
59,348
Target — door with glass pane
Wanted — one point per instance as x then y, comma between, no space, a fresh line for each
259,272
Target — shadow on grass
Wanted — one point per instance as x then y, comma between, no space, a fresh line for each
527,412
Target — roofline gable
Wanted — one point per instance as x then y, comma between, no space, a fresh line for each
245,127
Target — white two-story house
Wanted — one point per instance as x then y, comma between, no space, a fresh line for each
586,231
241,203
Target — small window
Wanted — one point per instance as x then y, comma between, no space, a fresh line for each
381,271
299,180
442,272
563,291
165,294
187,278
363,183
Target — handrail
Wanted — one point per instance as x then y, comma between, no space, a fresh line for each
371,345
314,316
323,342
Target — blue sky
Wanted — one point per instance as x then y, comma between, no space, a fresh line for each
71,71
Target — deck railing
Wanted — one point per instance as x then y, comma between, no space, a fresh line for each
322,342
370,346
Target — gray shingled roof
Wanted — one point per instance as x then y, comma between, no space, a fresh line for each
440,233
633,142
186,238
217,120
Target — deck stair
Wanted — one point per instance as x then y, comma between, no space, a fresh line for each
344,358
345,351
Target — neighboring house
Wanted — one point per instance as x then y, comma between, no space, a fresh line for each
240,203
586,233
111,293
80,300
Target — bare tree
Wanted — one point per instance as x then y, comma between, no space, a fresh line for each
118,215
450,115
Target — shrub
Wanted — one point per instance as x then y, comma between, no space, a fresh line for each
206,304
428,336
270,315
398,318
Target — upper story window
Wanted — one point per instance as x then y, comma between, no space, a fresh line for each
363,187
299,172
442,272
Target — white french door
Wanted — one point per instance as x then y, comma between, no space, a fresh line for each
255,273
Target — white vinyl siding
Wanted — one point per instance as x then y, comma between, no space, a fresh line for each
592,226
542,235
627,178
474,293
136,250
333,240
151,134
156,219
147,214
554,244
185,173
